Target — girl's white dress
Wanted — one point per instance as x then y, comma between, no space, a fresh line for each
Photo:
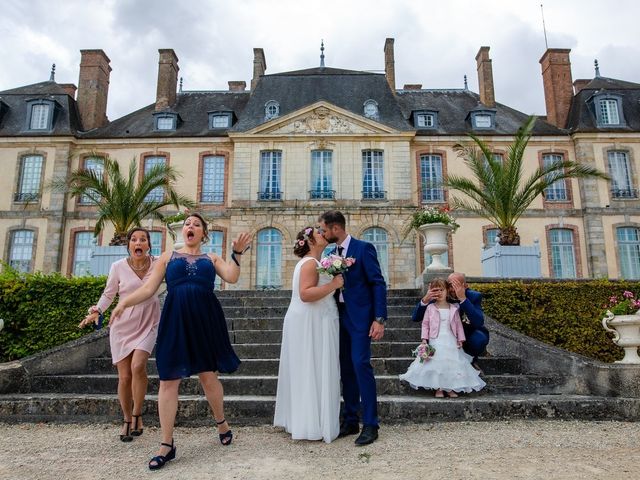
308,396
449,368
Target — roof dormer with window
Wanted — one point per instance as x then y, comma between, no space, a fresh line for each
483,118
220,119
165,121
425,119
607,108
271,110
370,109
40,115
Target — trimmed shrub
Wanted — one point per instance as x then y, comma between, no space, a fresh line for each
43,311
565,314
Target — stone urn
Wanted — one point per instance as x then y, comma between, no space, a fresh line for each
435,244
626,331
176,232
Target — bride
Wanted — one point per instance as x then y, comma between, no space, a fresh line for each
308,396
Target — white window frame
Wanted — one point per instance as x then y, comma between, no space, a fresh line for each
373,175
628,239
157,194
558,191
31,167
269,259
213,167
563,253
21,247
432,165
82,253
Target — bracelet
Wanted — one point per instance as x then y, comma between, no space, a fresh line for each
237,253
235,260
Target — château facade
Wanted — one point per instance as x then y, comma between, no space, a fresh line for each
270,158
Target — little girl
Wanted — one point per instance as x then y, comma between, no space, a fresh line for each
449,370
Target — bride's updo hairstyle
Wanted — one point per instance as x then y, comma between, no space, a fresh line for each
303,239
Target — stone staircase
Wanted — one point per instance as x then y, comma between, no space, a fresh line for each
515,388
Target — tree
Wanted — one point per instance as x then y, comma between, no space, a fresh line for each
498,190
124,202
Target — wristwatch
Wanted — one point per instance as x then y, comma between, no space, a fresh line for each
380,320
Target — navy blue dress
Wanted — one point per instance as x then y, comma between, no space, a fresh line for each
192,336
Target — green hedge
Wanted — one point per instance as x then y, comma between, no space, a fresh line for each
43,311
564,314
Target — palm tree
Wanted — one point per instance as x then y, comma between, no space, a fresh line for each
498,190
124,202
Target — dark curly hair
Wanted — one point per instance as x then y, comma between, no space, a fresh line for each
301,248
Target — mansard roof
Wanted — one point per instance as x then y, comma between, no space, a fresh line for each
346,89
14,112
453,106
582,116
192,109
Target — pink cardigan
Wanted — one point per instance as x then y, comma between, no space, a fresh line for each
431,322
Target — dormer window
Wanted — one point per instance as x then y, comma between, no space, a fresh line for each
40,114
219,120
371,109
608,110
425,119
165,121
483,119
271,109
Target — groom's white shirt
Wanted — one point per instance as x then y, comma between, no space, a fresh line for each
345,247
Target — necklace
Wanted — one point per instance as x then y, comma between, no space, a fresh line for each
140,268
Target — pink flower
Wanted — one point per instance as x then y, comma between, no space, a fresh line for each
627,294
613,299
350,261
301,242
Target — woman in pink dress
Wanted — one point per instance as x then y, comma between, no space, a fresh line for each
133,335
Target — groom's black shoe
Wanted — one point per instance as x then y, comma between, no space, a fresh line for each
348,429
369,435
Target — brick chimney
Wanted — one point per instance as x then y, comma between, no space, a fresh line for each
485,77
237,85
167,79
558,86
259,66
580,84
93,88
69,89
390,64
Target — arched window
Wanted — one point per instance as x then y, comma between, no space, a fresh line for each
629,252
21,250
269,257
379,238
214,245
271,109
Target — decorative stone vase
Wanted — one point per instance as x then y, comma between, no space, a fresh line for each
176,232
626,331
435,244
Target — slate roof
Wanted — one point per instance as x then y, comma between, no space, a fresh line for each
582,117
346,89
453,107
13,111
192,109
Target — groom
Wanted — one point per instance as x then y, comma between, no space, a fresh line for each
362,306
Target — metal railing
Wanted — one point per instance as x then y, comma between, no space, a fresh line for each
374,194
322,194
269,196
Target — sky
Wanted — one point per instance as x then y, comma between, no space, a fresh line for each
435,41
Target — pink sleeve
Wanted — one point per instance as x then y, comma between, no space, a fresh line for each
111,289
425,324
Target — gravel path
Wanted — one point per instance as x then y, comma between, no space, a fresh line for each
550,450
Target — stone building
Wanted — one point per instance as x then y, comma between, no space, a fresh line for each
270,158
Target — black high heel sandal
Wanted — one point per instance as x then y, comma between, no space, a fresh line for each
161,460
135,431
227,437
126,437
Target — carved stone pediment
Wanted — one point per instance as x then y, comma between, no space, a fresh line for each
322,120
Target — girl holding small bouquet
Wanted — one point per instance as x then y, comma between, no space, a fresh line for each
448,369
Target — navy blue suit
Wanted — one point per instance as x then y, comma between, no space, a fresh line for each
365,297
475,331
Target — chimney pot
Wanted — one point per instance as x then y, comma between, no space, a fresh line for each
558,85
485,77
237,85
93,88
69,89
259,66
390,64
167,79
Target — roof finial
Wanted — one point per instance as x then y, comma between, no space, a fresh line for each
322,53
52,77
180,90
466,85
595,63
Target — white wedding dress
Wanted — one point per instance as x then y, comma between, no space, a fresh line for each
308,396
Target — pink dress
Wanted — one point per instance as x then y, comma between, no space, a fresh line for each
137,327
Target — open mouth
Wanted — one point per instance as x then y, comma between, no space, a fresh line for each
190,235
138,251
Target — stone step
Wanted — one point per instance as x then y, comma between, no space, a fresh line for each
242,294
193,410
267,384
272,350
275,336
247,321
381,366
232,312
255,301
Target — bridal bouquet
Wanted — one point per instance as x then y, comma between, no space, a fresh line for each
335,264
424,352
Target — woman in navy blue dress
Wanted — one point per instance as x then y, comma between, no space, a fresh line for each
192,336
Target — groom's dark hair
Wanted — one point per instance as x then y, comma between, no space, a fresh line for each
333,217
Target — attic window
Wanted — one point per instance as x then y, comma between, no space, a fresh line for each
371,109
271,109
165,121
425,119
483,119
608,110
40,114
219,120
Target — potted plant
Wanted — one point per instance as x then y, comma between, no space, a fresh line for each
499,191
434,224
622,319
